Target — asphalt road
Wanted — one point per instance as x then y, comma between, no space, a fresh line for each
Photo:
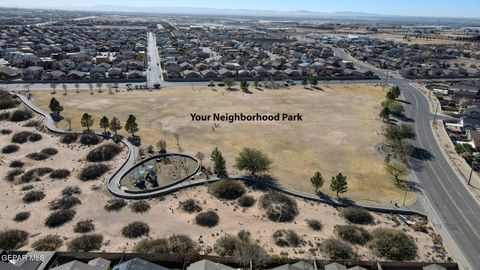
154,71
453,210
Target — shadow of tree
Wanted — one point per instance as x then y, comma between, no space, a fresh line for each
421,154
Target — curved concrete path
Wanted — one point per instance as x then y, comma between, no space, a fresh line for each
117,190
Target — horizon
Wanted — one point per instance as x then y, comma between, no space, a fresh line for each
428,8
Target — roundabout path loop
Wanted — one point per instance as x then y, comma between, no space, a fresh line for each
117,190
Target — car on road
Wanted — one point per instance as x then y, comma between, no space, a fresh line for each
221,84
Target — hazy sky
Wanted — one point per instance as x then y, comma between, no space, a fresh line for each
448,8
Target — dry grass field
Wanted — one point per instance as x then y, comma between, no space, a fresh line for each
413,40
339,130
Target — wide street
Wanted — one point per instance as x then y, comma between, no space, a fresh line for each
449,204
154,71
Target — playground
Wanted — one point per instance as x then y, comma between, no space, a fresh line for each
159,171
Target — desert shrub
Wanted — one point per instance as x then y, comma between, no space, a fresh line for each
287,238
13,239
227,189
11,148
16,164
84,226
21,137
33,123
226,245
27,187
33,196
34,174
353,234
93,171
69,138
279,207
59,218
35,137
393,244
12,174
49,151
338,250
60,174
43,171
104,152
190,206
48,243
90,139
71,190
314,224
140,206
115,205
85,243
207,219
20,115
246,201
7,102
37,156
6,131
65,202
180,244
21,216
135,230
4,116
420,226
152,246
357,215
244,235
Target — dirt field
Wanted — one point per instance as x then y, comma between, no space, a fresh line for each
413,40
339,130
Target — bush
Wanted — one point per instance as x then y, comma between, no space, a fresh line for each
16,164
135,230
279,207
20,115
33,196
21,137
90,139
27,187
71,190
69,138
38,156
60,174
152,246
12,174
357,215
11,148
105,152
353,234
244,235
33,123
115,205
227,189
207,219
35,137
49,151
92,172
190,206
338,250
180,244
85,243
226,245
246,201
21,216
13,239
59,218
48,243
43,171
287,238
7,102
4,116
34,174
393,244
65,202
314,224
84,226
140,206
6,131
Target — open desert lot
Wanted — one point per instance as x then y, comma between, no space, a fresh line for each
338,133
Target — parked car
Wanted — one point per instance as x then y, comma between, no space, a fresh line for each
221,84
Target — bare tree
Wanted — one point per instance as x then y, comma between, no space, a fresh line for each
77,86
64,86
99,86
54,88
110,87
91,88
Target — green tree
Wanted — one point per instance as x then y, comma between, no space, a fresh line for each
55,107
385,114
86,121
131,125
317,181
396,91
253,160
396,108
115,125
396,170
229,82
305,83
255,82
219,164
104,124
313,80
339,184
399,137
244,85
